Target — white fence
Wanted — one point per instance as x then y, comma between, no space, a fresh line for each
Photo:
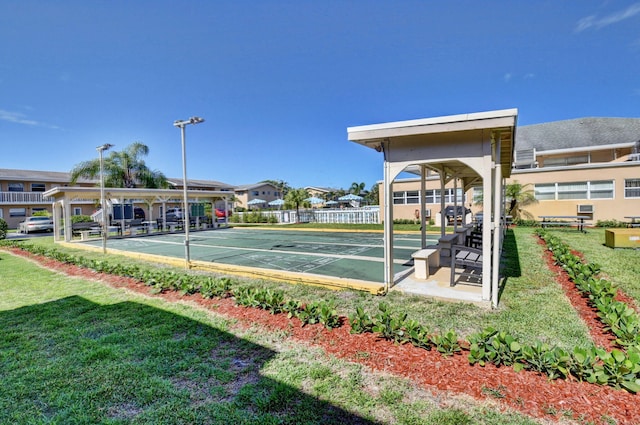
366,215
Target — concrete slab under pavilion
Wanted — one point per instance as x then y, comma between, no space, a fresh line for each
468,150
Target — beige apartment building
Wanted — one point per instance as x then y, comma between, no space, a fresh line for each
21,193
586,166
256,195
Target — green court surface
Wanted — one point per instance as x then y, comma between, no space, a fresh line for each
343,255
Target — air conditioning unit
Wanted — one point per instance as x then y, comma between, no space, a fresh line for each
585,209
427,212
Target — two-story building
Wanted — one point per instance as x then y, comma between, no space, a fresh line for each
21,193
586,166
256,195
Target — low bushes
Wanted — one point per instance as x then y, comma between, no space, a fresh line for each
619,368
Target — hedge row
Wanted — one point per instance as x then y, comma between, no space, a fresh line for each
595,365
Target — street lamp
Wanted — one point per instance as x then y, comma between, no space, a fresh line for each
185,215
103,203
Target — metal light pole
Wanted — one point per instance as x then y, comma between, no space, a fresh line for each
185,215
103,203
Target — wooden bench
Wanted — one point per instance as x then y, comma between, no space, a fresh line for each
577,221
466,262
85,229
424,259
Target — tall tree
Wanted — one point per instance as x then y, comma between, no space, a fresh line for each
125,168
296,198
356,188
518,196
373,195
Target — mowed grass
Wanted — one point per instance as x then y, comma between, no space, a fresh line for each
74,351
78,351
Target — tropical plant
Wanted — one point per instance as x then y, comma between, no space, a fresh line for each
125,168
296,198
356,188
518,196
372,197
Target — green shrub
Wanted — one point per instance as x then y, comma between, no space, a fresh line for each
81,219
3,228
610,223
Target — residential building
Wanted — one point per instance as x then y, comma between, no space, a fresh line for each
21,193
250,194
586,166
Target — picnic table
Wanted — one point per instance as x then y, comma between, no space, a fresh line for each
635,220
574,220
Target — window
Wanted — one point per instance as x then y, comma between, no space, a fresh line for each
398,198
601,189
413,197
406,197
17,212
77,211
632,188
16,187
433,196
574,190
477,195
545,192
37,187
255,193
1,213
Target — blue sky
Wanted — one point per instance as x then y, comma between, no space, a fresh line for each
279,82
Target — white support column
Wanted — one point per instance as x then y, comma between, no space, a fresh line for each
487,226
455,204
388,227
497,234
56,208
423,207
443,218
68,226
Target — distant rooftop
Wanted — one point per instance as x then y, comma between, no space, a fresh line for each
578,133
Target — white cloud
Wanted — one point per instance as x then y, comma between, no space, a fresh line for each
529,76
597,22
507,77
19,118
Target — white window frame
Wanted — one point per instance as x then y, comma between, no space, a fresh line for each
630,189
17,212
564,191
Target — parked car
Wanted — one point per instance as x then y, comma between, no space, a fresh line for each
138,213
36,224
174,213
220,213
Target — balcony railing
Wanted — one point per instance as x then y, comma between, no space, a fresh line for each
32,198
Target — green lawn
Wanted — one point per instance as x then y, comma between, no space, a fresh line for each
76,351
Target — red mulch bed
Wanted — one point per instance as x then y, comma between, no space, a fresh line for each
527,392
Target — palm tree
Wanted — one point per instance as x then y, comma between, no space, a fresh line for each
356,188
123,169
373,196
295,198
518,196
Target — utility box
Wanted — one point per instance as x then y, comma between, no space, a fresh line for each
622,238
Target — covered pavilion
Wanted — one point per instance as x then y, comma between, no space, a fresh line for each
470,150
65,197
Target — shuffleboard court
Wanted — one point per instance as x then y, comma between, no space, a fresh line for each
280,254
